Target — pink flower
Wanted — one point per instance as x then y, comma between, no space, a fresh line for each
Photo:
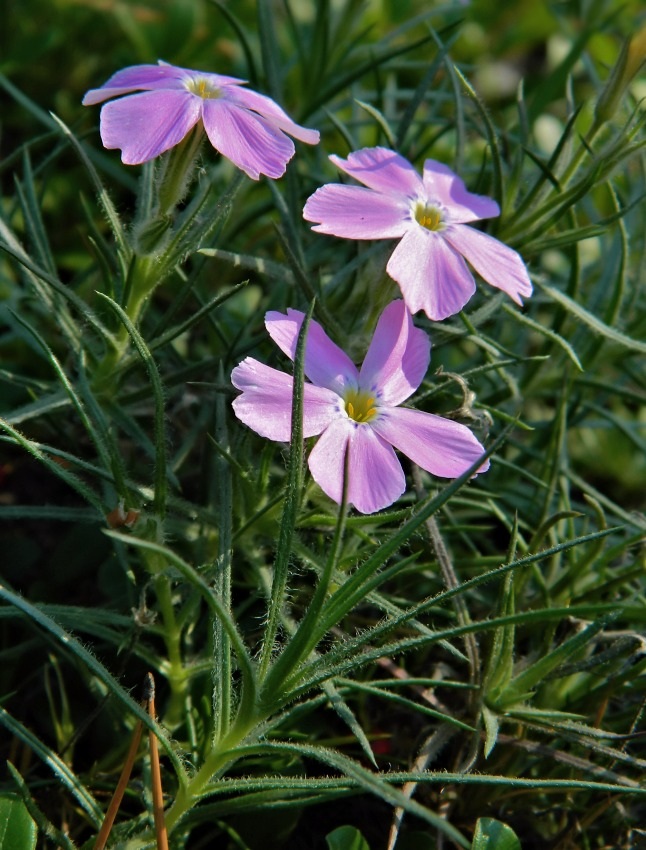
246,127
430,215
356,408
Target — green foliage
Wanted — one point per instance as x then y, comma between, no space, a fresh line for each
491,834
466,667
17,829
346,838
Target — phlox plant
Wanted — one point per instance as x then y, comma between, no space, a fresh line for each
321,394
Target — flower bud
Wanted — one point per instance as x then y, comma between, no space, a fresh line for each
631,58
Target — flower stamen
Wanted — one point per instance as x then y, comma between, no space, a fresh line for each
203,88
360,406
429,216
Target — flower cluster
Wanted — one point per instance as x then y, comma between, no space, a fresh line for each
356,413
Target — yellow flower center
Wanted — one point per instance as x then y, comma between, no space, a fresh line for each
204,89
429,216
360,405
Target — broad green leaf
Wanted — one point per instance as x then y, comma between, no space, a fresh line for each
493,834
346,838
17,829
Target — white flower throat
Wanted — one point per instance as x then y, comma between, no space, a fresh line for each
203,88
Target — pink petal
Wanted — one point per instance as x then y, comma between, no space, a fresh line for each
432,276
354,212
443,185
146,124
440,446
270,110
496,263
152,77
138,77
266,402
397,358
376,478
383,170
250,142
326,365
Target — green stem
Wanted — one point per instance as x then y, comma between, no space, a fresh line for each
583,149
222,661
305,638
290,510
142,279
175,672
219,757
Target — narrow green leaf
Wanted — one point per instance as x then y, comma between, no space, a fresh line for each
31,211
198,222
492,138
98,440
373,783
172,333
247,262
491,724
358,584
48,830
68,642
578,312
247,671
381,120
501,658
108,207
222,581
12,247
292,501
421,90
267,32
533,675
158,397
62,772
344,81
243,39
341,707
55,468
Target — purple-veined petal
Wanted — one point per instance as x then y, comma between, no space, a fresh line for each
495,262
266,402
249,141
397,358
354,212
438,445
326,365
431,276
151,78
269,109
382,170
326,460
146,124
137,78
443,185
376,478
